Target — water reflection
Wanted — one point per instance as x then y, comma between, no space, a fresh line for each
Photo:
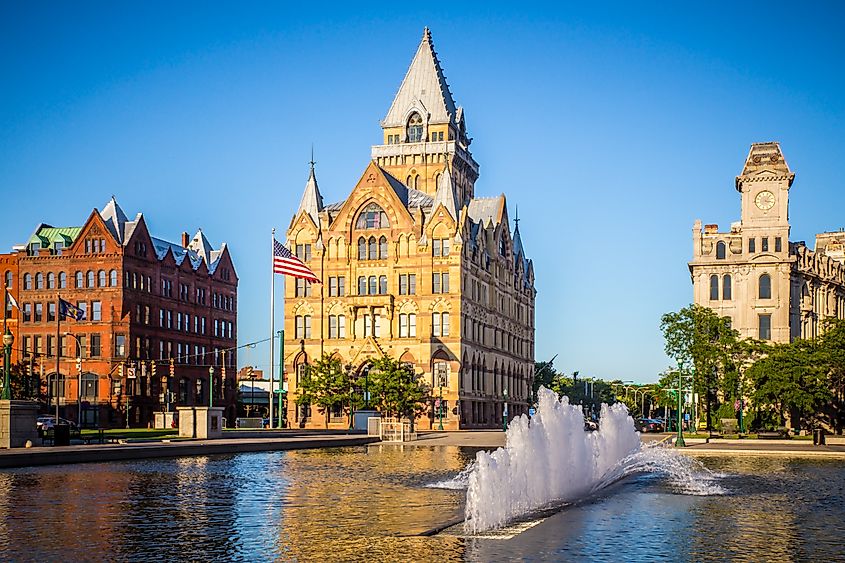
355,504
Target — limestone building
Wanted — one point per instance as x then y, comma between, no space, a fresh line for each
416,266
771,288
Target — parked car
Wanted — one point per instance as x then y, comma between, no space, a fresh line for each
47,421
649,425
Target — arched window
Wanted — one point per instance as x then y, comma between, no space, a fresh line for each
90,278
726,287
382,248
80,280
101,275
373,289
90,383
382,285
62,280
714,287
765,287
415,128
9,278
39,281
113,278
372,217
362,285
416,182
720,250
27,281
373,250
362,249
51,281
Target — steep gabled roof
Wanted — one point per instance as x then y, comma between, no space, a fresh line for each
424,85
115,220
445,194
312,201
486,210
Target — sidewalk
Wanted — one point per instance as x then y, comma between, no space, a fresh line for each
26,457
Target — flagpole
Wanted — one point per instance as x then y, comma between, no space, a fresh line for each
58,339
272,315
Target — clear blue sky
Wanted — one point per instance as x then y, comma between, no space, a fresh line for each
613,129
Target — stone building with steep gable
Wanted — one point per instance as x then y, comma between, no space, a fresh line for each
414,265
771,288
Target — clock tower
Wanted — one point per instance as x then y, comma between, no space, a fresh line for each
764,185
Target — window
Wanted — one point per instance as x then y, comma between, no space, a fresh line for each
303,252
440,324
62,280
764,244
101,278
726,287
714,287
95,346
8,279
407,284
39,281
382,248
90,278
341,286
440,282
51,281
372,250
415,128
120,345
332,287
83,306
332,326
372,217
303,326
303,288
765,327
362,285
765,289
778,245
51,345
382,285
27,312
368,325
27,281
752,247
371,281
51,312
362,248
96,311
720,250
39,312
407,325
89,386
341,326
441,247
440,374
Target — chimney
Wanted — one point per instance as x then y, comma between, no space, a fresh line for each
185,240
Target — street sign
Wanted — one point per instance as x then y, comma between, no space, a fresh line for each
531,411
130,372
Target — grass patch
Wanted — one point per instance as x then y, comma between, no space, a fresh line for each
134,433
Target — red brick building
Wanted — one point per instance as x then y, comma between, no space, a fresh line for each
158,316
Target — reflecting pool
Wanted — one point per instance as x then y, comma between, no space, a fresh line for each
371,502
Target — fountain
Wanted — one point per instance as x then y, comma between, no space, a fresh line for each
547,460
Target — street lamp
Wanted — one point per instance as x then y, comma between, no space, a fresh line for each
679,442
210,386
78,377
8,340
505,411
440,401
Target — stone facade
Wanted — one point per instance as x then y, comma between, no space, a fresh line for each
414,265
157,315
771,288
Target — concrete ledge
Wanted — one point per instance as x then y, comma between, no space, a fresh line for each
124,452
833,440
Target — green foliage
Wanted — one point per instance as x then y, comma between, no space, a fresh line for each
23,386
725,410
396,391
325,384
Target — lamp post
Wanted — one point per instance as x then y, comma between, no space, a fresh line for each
281,334
440,402
679,442
8,340
78,377
505,411
210,386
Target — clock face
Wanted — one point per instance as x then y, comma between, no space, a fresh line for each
765,200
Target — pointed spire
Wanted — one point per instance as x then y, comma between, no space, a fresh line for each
445,194
201,246
312,201
114,218
423,89
518,251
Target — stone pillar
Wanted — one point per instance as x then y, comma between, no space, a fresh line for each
17,423
200,422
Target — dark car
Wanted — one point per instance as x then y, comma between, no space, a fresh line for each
649,425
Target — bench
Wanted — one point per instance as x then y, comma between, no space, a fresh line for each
729,425
98,436
779,434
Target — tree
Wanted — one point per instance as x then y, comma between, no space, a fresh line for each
832,357
396,390
23,386
325,384
703,346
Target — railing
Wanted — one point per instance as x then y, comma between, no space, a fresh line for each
390,429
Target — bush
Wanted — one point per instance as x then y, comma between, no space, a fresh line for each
725,410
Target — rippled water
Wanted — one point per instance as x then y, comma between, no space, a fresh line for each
356,504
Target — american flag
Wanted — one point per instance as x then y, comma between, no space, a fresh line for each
285,263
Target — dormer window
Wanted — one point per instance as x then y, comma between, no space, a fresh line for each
415,128
372,217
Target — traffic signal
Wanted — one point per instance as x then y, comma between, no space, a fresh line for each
152,369
172,367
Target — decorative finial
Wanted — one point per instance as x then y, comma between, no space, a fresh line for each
311,162
516,220
426,34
